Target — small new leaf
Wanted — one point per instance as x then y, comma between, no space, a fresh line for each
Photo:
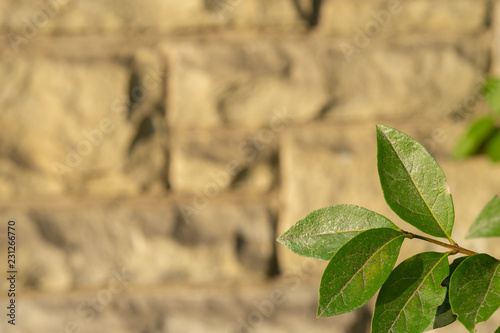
487,223
477,134
357,270
408,299
321,233
414,185
475,289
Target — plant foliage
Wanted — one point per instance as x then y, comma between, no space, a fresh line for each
423,292
483,134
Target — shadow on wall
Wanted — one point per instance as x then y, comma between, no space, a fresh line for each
314,14
309,13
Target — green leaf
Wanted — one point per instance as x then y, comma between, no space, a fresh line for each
357,270
497,330
408,299
493,147
444,314
492,94
487,223
475,289
321,233
476,135
414,185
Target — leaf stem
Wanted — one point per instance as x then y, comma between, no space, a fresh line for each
455,247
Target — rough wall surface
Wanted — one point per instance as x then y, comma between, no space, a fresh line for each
151,152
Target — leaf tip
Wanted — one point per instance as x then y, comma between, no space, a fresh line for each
280,239
320,312
383,128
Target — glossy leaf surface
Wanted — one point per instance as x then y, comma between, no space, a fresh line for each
357,270
321,233
414,185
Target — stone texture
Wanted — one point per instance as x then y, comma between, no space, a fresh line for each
208,163
416,82
340,18
75,246
67,131
238,237
51,123
242,84
147,160
77,17
401,17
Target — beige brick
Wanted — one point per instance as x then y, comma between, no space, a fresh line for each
208,163
76,137
403,17
60,107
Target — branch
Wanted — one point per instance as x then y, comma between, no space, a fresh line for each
455,247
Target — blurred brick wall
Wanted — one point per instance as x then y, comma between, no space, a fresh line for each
152,151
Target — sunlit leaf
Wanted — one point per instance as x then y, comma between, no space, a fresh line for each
414,185
357,270
321,233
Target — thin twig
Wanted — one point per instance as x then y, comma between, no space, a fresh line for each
455,247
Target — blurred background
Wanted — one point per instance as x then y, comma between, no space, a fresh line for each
152,151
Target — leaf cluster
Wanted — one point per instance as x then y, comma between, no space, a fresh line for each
424,291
